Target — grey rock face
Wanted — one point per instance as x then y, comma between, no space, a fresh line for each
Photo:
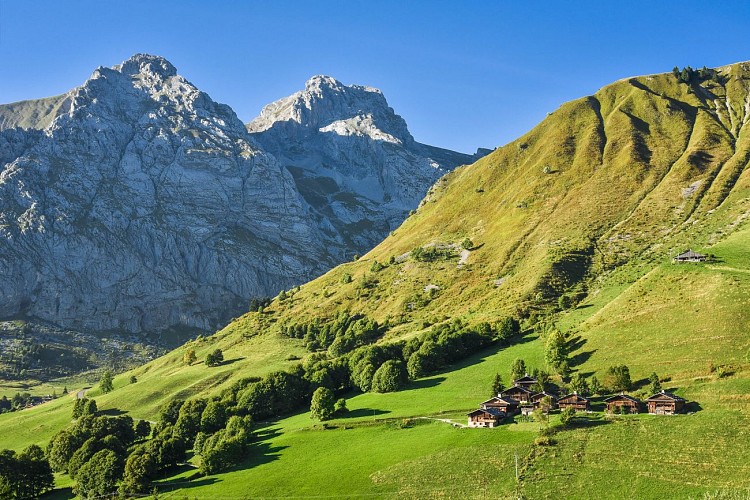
135,203
352,157
144,205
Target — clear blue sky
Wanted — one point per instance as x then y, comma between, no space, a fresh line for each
463,74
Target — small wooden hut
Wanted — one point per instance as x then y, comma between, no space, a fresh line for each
507,405
485,417
527,382
665,403
536,399
690,256
622,403
575,401
517,392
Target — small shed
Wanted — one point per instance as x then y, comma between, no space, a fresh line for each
485,417
536,399
507,405
575,401
690,256
623,403
517,392
665,403
527,382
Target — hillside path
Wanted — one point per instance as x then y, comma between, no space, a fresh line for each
446,420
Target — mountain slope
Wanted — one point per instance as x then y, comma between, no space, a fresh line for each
352,157
145,205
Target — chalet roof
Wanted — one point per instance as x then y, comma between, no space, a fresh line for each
501,400
516,388
574,395
540,395
490,411
664,395
690,255
622,396
526,379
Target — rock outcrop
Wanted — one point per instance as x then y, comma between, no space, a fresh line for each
135,203
352,157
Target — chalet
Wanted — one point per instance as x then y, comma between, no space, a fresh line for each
665,403
485,417
527,382
536,399
575,401
690,256
507,405
517,392
622,403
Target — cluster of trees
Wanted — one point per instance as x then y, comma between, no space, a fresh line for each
430,253
259,304
19,401
25,475
95,449
689,75
215,358
324,404
343,333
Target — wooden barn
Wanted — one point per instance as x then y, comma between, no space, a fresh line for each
665,403
507,405
690,256
536,399
622,403
485,417
575,401
527,382
517,392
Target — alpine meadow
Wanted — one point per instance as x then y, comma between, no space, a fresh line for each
535,327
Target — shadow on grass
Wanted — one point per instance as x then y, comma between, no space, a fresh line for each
111,412
59,494
362,412
581,358
423,383
693,407
230,361
584,306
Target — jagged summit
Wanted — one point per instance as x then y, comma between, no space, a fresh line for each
147,64
325,101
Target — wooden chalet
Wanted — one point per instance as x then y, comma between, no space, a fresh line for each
536,399
575,401
690,256
485,417
665,403
527,382
507,405
622,403
517,392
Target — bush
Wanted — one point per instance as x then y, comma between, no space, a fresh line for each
215,358
322,404
567,416
340,407
390,377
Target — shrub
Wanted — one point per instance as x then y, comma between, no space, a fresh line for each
567,416
322,406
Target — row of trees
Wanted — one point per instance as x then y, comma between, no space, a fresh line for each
25,475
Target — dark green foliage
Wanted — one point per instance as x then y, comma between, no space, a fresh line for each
105,382
340,407
617,378
142,429
61,448
214,417
655,383
170,412
376,266
507,328
189,420
431,253
99,476
346,278
689,75
25,475
89,407
282,296
578,384
83,455
556,352
467,244
595,386
133,379
258,304
390,377
339,335
276,394
518,369
322,404
497,385
567,416
226,447
215,358
140,469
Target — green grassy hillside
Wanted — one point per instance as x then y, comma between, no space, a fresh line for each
588,206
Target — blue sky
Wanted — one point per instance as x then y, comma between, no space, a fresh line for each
463,74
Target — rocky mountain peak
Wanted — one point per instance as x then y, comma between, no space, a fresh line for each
327,105
146,64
